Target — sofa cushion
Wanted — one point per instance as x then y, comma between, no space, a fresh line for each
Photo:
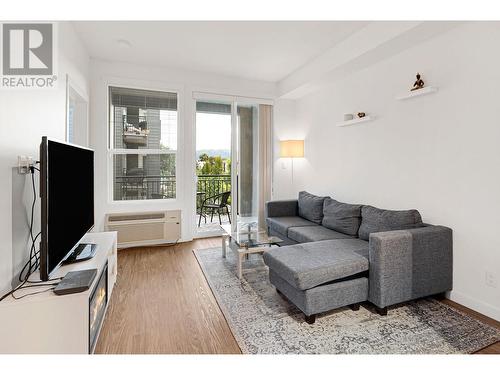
288,207
311,207
341,217
363,251
281,224
378,220
305,266
314,233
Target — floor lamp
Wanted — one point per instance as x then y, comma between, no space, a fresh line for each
292,149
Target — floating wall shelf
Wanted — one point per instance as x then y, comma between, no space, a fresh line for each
420,92
356,121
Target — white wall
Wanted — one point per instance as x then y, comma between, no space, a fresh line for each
147,77
25,116
285,127
438,153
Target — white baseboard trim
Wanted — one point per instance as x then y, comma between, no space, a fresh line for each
479,306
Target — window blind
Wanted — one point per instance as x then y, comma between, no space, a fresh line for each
124,97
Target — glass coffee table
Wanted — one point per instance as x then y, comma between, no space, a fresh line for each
246,239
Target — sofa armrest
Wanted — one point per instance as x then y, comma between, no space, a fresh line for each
409,264
282,208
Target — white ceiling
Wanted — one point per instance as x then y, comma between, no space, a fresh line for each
267,51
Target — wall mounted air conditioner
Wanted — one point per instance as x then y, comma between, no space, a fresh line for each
145,228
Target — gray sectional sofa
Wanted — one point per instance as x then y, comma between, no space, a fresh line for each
336,254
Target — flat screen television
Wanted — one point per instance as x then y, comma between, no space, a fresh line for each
67,203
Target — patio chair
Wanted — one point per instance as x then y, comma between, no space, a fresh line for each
216,203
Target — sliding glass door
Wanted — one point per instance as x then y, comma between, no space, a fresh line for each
231,159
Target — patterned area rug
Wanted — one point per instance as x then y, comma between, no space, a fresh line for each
264,323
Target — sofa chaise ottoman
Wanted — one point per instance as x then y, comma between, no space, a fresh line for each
332,249
320,276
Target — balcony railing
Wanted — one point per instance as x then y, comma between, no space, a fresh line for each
210,185
164,187
144,187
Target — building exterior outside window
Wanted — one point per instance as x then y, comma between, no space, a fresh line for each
143,143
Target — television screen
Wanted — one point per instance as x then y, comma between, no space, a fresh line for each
67,195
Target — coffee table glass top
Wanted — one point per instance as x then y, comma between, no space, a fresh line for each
249,235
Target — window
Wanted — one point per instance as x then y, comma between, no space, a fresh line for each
76,120
143,143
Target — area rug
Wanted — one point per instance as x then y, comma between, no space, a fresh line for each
264,323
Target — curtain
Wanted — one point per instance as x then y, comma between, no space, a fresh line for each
265,159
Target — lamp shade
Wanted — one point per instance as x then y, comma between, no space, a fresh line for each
292,149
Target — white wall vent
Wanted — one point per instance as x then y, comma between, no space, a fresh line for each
145,228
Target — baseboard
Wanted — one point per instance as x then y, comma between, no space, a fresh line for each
479,306
147,243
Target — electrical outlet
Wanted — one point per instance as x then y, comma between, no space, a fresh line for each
490,279
24,163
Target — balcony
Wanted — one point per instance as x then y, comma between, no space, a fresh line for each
210,186
142,187
135,130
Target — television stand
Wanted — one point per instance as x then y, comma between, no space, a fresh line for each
82,252
69,324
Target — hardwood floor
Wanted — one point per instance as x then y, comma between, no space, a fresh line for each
163,304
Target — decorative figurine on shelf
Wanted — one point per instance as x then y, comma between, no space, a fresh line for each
419,83
361,114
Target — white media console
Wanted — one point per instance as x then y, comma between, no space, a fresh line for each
48,323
